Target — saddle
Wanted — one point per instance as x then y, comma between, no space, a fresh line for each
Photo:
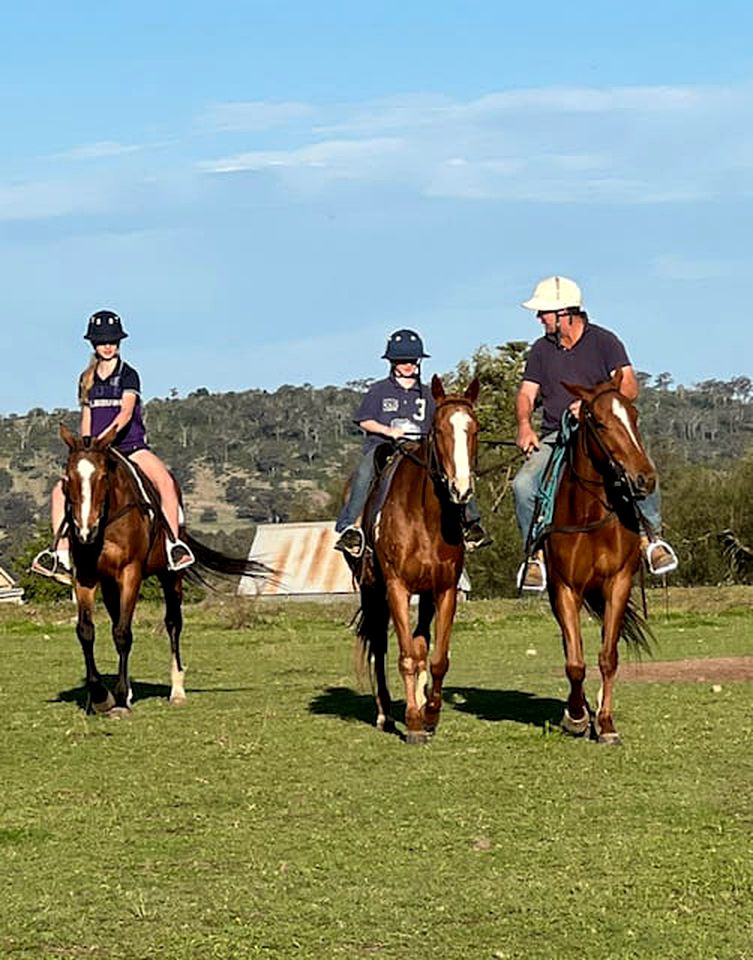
386,461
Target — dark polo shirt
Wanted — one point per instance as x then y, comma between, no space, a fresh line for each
590,361
105,400
388,402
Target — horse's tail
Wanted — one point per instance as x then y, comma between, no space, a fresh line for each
371,623
216,562
635,629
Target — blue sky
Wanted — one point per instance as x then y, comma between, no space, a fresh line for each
264,190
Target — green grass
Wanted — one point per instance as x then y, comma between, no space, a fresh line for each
267,818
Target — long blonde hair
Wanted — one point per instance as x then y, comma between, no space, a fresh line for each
86,380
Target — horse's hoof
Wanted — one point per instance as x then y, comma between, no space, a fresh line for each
178,700
119,713
610,740
419,737
104,706
576,728
385,724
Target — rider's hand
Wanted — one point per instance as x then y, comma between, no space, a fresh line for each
527,439
574,408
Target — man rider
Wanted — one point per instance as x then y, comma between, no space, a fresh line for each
573,350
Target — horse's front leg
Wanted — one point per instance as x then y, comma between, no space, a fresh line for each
566,606
99,698
172,588
617,594
421,645
121,613
440,656
399,600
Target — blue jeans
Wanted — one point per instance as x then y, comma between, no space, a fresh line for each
359,492
525,486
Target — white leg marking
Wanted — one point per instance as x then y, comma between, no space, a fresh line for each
85,471
460,422
421,689
618,409
177,692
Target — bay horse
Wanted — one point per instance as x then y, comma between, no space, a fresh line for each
592,549
117,539
416,547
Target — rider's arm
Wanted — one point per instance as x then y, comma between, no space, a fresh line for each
629,387
86,421
127,406
525,401
374,426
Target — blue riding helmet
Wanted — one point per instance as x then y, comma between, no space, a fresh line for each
404,345
104,327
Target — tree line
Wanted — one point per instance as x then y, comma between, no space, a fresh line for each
260,456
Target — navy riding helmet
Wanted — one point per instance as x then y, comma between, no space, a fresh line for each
104,327
404,345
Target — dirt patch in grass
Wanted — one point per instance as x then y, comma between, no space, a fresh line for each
712,670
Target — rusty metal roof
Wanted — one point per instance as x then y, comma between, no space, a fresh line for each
304,558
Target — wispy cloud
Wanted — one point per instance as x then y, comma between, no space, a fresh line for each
102,149
253,115
645,145
338,158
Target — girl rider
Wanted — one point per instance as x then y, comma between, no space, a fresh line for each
109,393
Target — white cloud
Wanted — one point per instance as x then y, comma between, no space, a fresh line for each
340,158
102,149
629,145
253,115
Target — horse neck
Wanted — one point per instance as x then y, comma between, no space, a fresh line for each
586,488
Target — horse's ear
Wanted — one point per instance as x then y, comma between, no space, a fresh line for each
472,390
580,392
437,388
68,437
106,440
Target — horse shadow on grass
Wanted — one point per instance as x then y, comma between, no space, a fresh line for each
141,691
516,706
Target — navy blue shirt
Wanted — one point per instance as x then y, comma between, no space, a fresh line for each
590,361
105,399
388,403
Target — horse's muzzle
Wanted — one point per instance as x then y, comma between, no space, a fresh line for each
86,534
458,496
644,484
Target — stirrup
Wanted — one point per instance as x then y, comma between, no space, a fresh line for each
184,556
352,541
670,563
48,564
529,565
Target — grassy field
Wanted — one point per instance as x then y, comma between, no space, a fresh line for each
267,818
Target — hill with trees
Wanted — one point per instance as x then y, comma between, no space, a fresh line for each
256,456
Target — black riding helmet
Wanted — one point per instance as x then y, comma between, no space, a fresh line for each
403,346
104,327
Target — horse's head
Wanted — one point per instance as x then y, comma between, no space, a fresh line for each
85,482
611,433
455,438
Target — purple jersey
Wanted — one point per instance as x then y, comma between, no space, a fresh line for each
105,399
590,361
389,404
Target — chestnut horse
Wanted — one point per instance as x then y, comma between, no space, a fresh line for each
592,549
416,545
117,539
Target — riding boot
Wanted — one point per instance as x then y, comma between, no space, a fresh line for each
660,557
475,537
532,574
179,555
351,541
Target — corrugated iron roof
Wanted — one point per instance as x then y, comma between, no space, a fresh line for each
305,560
